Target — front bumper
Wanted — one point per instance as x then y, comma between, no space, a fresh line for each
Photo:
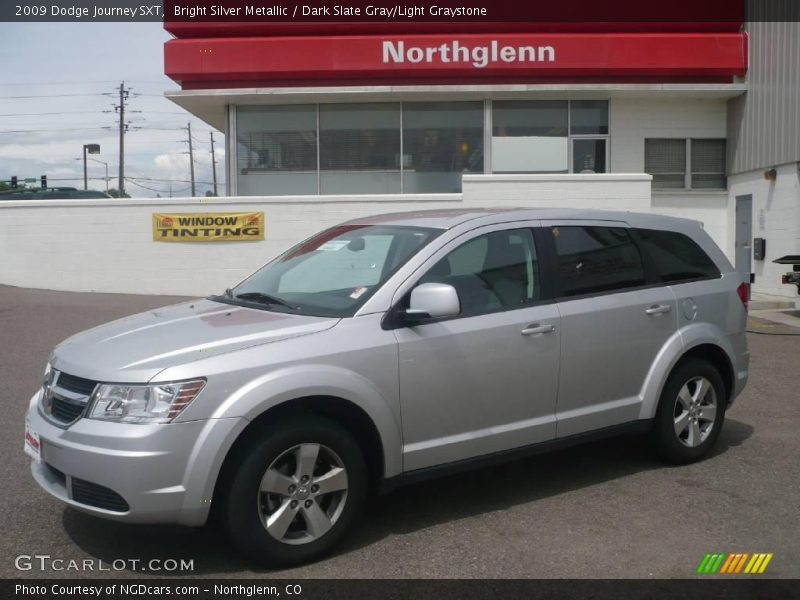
163,473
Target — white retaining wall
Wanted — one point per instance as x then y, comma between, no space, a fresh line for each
107,245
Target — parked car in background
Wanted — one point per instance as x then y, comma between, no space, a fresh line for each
387,350
57,193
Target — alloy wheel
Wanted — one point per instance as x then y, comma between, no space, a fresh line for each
695,411
302,493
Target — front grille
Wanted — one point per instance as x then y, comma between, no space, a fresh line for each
79,385
65,411
65,399
91,494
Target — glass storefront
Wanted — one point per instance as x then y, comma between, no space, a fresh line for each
412,147
276,150
441,141
359,148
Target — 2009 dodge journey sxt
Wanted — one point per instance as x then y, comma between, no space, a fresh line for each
385,350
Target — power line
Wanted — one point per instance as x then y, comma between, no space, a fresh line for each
51,130
49,83
50,96
21,83
41,114
88,112
157,142
169,191
170,180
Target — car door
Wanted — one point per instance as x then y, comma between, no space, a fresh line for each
486,380
614,321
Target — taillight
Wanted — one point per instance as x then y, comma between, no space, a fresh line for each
744,294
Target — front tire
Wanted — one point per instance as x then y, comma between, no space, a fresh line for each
296,492
690,413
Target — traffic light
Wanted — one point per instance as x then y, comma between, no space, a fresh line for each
14,182
44,182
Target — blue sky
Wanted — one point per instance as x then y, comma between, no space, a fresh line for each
74,70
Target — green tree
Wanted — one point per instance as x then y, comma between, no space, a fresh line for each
5,186
114,193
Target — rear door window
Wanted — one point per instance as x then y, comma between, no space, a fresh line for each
592,260
676,256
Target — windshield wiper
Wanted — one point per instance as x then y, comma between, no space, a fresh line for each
262,298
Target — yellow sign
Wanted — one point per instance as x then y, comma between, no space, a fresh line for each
208,227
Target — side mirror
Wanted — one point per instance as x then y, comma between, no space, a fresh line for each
433,300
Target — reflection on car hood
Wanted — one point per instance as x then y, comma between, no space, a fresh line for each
135,348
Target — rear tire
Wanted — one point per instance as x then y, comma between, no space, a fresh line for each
690,413
297,491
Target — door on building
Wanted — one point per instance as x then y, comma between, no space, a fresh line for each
744,236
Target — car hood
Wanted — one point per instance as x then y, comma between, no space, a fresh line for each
136,348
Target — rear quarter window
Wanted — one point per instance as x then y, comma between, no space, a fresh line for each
594,260
676,256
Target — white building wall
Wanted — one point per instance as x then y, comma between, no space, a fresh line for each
632,120
776,218
107,245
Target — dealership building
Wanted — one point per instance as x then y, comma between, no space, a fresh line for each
403,110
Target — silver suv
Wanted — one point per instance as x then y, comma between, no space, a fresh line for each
387,350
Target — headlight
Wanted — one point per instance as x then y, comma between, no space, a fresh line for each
48,372
159,403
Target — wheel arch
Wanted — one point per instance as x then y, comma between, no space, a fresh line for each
715,355
700,342
347,414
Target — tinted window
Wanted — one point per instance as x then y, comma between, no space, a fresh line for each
596,259
491,272
676,256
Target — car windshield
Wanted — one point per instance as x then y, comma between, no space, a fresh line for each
334,272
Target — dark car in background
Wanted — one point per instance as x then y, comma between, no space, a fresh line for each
57,193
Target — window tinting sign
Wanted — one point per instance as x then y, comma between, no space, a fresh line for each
208,227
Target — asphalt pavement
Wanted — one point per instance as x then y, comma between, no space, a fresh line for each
607,509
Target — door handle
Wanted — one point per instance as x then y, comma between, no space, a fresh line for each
658,309
536,328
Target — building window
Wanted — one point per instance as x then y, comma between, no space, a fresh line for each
588,155
359,148
549,136
588,117
441,141
276,150
530,136
686,163
415,147
708,164
375,148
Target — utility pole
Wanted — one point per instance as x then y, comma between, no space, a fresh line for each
191,157
213,164
123,99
